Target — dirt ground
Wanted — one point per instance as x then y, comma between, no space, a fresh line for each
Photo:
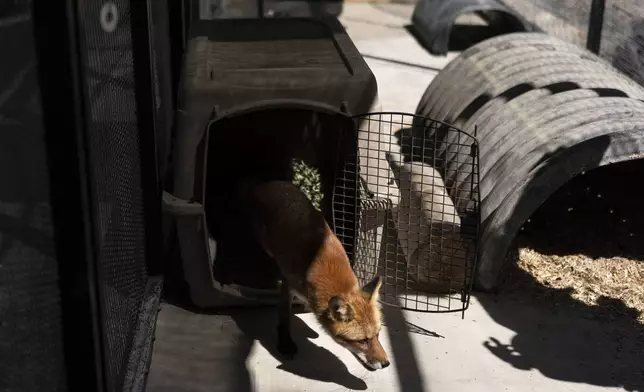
584,248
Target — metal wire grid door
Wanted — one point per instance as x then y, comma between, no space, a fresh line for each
416,215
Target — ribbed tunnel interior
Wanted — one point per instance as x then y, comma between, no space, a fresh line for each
583,248
598,214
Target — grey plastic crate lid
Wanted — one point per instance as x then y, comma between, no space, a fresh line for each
244,63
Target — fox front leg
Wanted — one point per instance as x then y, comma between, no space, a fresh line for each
285,344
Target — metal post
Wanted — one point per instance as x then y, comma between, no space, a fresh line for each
145,105
595,25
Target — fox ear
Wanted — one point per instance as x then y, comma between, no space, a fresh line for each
372,288
340,310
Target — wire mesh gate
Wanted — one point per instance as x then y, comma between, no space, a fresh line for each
416,216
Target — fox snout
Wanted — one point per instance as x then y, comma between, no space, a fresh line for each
353,320
374,357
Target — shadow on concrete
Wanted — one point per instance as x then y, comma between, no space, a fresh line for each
317,363
556,334
408,371
311,361
199,350
563,344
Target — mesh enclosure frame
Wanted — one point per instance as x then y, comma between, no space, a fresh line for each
100,135
62,108
114,160
415,218
610,28
32,344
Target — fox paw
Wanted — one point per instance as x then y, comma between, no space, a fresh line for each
287,348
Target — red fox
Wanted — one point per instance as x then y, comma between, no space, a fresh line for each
314,267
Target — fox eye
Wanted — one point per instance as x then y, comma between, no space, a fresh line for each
362,341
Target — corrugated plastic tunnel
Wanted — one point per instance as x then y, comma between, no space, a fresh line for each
543,111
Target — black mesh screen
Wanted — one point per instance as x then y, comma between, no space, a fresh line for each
114,154
31,349
566,19
622,39
622,35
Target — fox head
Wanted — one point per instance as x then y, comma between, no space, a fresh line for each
353,320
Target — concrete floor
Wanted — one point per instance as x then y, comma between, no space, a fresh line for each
503,344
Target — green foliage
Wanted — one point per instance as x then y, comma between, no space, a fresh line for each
307,178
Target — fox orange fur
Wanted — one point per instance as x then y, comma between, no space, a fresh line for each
314,267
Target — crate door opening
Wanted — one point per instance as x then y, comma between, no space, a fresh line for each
418,222
299,145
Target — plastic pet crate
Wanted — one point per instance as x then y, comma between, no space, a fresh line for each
254,90
258,95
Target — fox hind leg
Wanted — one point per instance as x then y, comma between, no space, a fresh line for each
285,344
